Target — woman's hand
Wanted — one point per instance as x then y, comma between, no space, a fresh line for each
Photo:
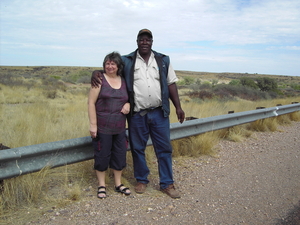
93,130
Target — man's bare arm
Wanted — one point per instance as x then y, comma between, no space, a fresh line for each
176,102
96,79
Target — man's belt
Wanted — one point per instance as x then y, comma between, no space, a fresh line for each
143,112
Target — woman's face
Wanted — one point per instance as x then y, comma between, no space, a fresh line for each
111,67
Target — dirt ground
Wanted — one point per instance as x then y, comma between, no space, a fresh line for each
252,182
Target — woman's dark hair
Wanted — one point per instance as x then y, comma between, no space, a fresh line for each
116,58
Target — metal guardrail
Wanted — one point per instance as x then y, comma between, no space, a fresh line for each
22,160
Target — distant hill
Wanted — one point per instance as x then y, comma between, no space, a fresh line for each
230,76
44,70
61,71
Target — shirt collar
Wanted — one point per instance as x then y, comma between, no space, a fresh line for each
139,56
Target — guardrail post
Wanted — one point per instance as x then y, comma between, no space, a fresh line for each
2,147
190,118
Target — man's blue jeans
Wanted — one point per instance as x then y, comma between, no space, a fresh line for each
158,127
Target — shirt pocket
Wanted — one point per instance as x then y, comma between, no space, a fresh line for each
155,72
137,73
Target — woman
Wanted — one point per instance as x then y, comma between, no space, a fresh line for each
107,109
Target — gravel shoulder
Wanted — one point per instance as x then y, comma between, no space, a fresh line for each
252,182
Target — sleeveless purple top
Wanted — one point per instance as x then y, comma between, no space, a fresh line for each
110,101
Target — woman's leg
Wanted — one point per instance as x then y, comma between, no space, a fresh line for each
118,160
101,183
102,155
117,177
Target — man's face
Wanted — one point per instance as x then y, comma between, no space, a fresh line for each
144,43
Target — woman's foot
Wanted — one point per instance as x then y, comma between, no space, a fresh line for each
101,193
124,190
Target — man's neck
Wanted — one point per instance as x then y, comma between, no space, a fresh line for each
146,57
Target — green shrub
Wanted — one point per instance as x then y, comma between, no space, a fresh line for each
198,81
85,80
50,94
295,86
202,94
234,82
80,77
266,84
246,81
56,77
214,82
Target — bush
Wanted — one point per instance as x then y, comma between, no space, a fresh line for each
203,94
224,91
205,85
85,79
266,84
56,77
198,81
246,81
234,82
82,77
214,82
10,80
50,94
231,91
295,86
53,84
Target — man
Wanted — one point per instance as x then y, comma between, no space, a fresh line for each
150,81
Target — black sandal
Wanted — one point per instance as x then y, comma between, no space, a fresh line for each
123,191
101,192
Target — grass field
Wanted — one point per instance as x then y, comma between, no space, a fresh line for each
45,104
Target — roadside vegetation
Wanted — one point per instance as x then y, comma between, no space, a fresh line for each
45,104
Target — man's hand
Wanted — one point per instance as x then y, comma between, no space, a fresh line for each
180,115
126,108
96,79
176,102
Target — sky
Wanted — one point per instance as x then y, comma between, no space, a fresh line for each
243,36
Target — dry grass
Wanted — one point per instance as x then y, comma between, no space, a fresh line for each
25,189
29,116
21,195
197,145
237,133
214,107
43,120
27,196
295,116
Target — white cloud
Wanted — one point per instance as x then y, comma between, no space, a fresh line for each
292,48
230,30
